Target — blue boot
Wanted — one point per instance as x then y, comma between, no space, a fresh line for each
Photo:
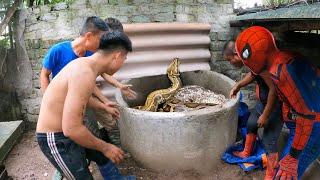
110,171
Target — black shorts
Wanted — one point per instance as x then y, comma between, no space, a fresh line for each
68,157
272,128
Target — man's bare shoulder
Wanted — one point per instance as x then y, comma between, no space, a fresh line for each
80,72
81,68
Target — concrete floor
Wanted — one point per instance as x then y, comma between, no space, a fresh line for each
10,132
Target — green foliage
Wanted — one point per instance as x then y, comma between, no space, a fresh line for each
4,42
5,3
4,39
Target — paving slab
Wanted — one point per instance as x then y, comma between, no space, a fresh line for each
10,132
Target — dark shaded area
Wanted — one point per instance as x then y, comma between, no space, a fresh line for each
305,43
9,106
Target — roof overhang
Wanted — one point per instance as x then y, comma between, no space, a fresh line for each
299,17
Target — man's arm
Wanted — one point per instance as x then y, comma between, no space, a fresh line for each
298,104
125,89
112,80
73,112
289,164
243,82
246,80
44,79
271,101
48,64
109,106
95,103
97,92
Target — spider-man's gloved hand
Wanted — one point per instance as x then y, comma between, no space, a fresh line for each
288,168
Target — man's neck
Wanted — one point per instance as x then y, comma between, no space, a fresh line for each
100,63
78,46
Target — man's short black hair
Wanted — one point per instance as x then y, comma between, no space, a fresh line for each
114,24
114,40
227,50
94,24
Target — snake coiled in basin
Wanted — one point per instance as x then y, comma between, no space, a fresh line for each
160,96
177,98
192,97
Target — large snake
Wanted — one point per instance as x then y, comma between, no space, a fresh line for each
192,97
162,95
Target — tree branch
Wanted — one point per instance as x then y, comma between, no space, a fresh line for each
9,15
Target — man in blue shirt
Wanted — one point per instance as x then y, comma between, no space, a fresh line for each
62,53
59,56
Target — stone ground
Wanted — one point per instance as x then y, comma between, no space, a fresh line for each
26,162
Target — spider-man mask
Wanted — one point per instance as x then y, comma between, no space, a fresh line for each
253,46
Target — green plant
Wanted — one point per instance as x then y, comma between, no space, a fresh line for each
5,42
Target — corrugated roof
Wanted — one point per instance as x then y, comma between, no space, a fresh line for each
291,13
156,44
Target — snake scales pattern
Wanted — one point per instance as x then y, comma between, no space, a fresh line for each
177,98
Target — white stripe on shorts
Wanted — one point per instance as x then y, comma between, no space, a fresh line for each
57,157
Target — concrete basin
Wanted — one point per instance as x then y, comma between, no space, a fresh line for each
178,141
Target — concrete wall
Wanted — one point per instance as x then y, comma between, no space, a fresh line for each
47,25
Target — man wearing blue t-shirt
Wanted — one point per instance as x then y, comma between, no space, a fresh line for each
62,53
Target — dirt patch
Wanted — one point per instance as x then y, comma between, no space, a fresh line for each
26,162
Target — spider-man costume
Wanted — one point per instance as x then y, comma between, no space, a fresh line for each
298,86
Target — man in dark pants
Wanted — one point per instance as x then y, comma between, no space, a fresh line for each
63,53
266,113
61,134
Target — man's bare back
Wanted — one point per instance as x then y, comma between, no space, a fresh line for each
80,75
61,134
64,102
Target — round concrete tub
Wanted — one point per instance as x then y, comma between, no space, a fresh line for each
178,141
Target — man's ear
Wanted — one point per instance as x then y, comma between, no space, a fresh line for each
117,54
88,35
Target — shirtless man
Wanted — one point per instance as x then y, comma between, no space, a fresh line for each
61,135
64,52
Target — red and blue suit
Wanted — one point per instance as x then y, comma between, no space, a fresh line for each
297,84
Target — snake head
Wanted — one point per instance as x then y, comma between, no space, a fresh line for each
173,69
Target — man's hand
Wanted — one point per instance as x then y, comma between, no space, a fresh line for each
112,152
262,120
233,92
127,91
112,108
288,168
